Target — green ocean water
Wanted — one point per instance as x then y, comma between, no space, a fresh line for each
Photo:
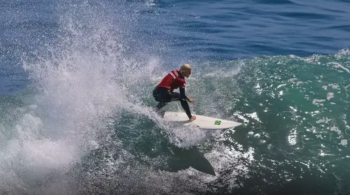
293,139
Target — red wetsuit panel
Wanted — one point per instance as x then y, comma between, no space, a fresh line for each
173,80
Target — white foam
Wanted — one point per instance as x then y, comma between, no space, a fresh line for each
341,53
280,93
258,88
254,116
318,102
324,120
344,142
292,137
281,85
81,80
293,109
330,95
336,129
338,65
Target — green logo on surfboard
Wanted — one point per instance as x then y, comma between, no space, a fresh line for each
217,122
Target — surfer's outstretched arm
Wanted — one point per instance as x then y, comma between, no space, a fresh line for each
185,106
184,99
183,95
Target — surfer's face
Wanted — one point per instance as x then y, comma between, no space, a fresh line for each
187,73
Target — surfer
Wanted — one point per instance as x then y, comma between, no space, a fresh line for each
163,93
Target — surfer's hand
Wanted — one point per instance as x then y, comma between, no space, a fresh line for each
190,100
193,118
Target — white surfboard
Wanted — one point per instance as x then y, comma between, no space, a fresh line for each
203,122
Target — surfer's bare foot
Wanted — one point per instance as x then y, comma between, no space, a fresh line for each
193,118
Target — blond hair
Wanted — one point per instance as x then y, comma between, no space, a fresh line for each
185,67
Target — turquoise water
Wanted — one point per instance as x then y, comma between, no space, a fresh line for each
76,107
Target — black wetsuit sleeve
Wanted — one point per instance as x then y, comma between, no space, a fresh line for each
184,103
183,95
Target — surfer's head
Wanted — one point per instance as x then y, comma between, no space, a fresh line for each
185,70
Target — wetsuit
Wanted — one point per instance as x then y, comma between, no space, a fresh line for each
164,94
